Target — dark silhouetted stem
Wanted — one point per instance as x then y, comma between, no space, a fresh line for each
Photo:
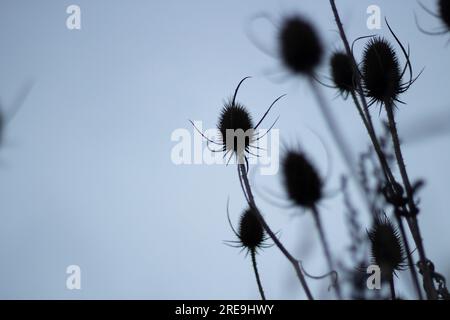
326,247
412,221
391,285
364,109
258,280
412,269
367,120
370,129
251,202
399,156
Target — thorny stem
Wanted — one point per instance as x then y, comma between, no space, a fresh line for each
388,174
412,221
399,156
326,247
391,285
389,177
367,120
386,169
258,280
365,109
251,202
412,269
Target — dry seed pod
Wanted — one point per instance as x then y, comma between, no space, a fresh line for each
301,181
386,247
381,72
251,232
342,72
236,128
299,45
234,117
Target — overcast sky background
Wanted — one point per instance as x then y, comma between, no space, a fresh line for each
86,176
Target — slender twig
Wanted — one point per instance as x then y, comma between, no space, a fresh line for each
412,220
251,202
412,269
391,285
399,156
326,247
367,120
258,279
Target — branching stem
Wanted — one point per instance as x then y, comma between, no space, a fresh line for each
251,202
412,223
412,220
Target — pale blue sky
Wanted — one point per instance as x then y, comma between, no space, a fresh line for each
86,176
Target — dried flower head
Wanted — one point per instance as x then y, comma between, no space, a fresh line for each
303,184
387,248
235,118
342,72
251,232
237,132
381,72
299,45
251,235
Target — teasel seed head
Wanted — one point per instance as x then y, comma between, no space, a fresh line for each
342,72
234,116
303,184
381,71
236,126
299,45
251,232
386,247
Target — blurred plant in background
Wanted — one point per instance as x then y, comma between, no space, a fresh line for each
377,79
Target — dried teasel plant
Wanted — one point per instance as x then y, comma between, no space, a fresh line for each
234,118
238,134
300,47
251,238
387,250
382,74
342,73
379,78
304,188
409,211
301,180
301,51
